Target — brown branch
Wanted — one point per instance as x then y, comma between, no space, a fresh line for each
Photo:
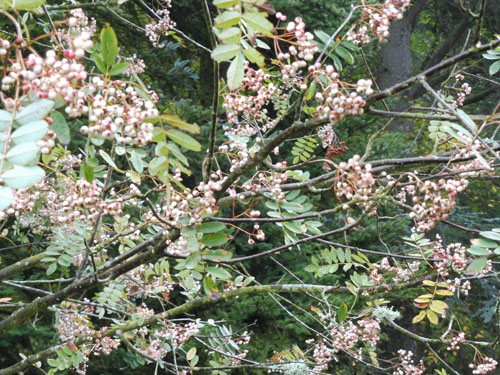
431,71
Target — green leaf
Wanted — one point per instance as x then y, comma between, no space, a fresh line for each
137,162
223,4
293,226
109,46
87,172
433,318
477,265
60,127
119,68
254,56
225,52
344,54
191,353
6,197
311,91
176,152
211,227
342,312
322,36
494,68
227,19
26,4
23,177
259,22
35,111
99,63
214,239
175,121
231,35
109,160
33,131
183,139
236,72
5,119
25,154
52,268
218,273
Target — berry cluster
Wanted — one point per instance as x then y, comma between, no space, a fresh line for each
119,112
4,46
462,92
355,183
336,102
455,341
252,106
322,355
377,20
407,366
160,27
434,201
453,257
302,49
459,285
487,365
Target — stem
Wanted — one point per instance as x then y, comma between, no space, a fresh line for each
215,99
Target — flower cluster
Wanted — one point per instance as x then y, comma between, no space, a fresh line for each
403,274
160,27
80,201
24,200
377,20
407,365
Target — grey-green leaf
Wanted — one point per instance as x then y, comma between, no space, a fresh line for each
6,197
137,162
259,22
494,68
5,119
33,131
225,52
61,128
35,111
25,154
20,177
